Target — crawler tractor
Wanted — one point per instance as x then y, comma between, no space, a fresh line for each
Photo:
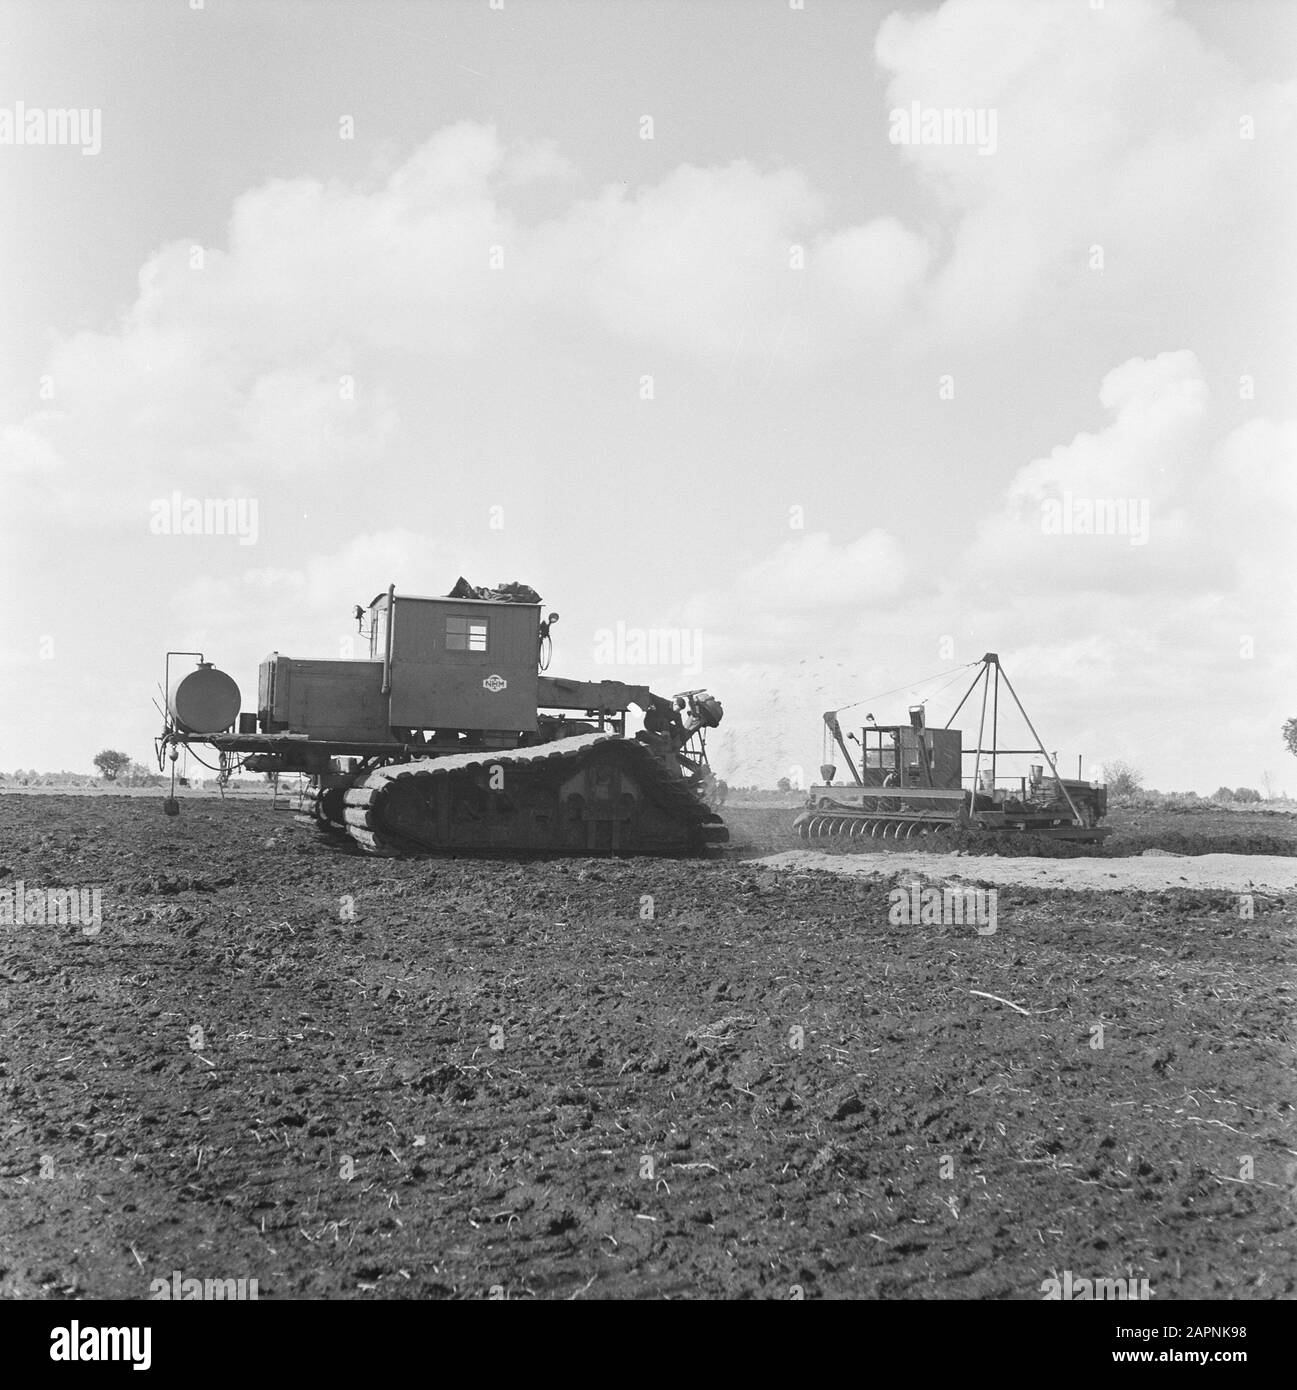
909,780
449,737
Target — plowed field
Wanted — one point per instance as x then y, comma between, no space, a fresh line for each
355,1078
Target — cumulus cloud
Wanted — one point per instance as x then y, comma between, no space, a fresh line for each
1152,502
232,364
325,586
1255,482
813,574
1114,128
232,352
1108,510
1248,502
440,259
806,596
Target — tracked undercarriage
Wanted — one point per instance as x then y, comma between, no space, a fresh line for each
593,794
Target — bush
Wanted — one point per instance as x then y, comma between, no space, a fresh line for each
1178,801
1247,795
110,763
1222,794
1122,779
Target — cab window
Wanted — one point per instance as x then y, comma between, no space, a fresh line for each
466,634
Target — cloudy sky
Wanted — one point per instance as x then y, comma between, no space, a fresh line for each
658,308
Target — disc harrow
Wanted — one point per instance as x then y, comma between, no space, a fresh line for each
868,825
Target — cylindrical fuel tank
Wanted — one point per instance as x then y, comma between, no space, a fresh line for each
203,701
